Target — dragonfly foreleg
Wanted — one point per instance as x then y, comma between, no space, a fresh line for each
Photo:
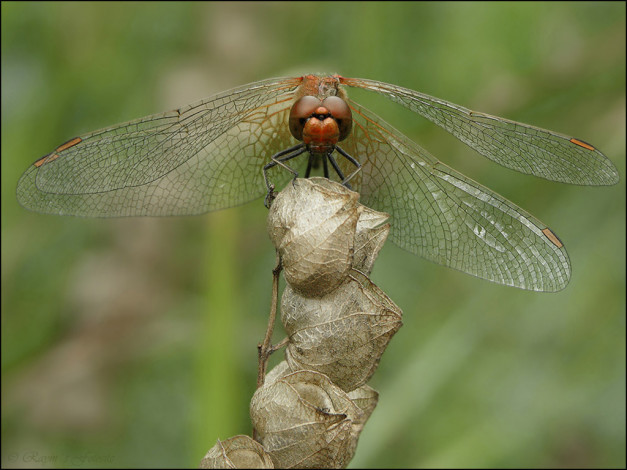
279,159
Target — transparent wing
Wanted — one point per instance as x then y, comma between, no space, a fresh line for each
203,157
447,218
518,146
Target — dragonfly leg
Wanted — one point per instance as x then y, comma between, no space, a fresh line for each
279,159
336,167
325,166
353,161
309,164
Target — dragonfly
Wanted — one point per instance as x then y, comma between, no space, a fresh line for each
228,149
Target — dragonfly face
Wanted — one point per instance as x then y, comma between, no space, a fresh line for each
320,124
210,156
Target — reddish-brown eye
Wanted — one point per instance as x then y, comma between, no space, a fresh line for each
341,113
300,112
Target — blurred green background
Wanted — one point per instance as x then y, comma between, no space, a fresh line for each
132,342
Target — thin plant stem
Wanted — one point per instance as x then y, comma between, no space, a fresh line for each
265,349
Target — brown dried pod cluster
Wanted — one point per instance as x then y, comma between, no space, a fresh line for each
313,406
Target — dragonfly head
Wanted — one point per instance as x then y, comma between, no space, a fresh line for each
320,124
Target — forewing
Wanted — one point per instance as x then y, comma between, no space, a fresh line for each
515,145
447,218
200,158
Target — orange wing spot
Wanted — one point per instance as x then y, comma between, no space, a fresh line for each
69,143
551,236
581,143
47,159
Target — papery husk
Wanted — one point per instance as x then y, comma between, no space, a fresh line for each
303,420
366,398
342,334
313,228
370,233
237,452
277,372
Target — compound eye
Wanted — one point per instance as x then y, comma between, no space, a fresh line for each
341,112
302,110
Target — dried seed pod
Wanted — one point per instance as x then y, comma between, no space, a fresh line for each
342,334
237,452
280,370
313,225
371,232
304,420
366,399
369,238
